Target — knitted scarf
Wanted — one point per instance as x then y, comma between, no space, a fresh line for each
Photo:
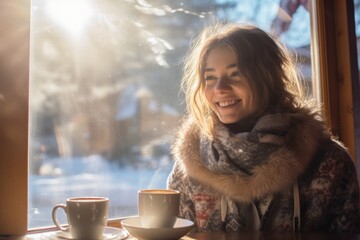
240,153
250,165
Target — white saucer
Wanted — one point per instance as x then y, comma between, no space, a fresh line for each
133,226
110,233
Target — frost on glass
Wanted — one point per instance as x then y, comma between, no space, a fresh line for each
104,91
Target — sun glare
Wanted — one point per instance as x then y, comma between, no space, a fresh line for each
71,14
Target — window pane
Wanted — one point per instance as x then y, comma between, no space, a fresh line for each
355,86
104,90
357,27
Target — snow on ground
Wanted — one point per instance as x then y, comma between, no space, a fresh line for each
89,176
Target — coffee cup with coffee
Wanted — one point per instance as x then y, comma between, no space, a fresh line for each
158,208
86,216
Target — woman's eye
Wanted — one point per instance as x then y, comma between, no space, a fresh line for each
235,74
208,78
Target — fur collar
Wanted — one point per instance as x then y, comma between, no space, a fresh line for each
281,169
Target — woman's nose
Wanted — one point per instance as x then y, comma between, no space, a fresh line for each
222,85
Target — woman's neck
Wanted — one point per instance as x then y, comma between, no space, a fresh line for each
243,125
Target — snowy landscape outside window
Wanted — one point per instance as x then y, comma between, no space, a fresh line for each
104,90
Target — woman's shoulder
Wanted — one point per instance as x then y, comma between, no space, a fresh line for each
335,151
329,154
330,189
332,161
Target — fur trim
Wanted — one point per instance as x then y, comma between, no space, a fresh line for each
279,172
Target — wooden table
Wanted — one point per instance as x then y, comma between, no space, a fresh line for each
229,236
272,236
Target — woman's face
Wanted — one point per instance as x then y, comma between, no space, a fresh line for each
228,93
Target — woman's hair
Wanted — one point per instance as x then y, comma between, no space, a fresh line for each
262,60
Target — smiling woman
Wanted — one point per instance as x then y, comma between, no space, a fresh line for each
251,166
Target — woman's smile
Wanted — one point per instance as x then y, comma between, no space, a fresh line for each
227,103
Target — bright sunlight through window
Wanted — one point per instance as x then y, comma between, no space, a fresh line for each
72,15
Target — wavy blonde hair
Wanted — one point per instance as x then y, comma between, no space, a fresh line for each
262,60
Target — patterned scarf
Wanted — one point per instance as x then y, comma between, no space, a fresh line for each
240,153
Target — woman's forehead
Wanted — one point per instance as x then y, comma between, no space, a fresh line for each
221,54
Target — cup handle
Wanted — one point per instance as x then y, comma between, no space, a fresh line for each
55,220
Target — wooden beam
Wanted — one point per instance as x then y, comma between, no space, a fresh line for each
345,74
14,98
331,53
324,61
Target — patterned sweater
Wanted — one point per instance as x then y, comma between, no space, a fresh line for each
245,182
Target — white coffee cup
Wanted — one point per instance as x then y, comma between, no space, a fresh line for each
158,208
86,216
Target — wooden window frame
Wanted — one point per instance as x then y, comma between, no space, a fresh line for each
14,112
337,70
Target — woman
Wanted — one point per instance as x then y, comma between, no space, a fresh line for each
253,154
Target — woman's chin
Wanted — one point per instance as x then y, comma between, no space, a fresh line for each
228,120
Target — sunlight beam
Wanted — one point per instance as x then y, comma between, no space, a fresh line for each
72,15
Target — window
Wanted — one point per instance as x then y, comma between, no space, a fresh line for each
356,81
104,91
14,85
